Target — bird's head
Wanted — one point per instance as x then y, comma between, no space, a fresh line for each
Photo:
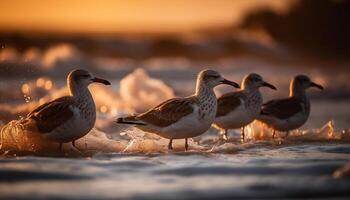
84,78
255,81
304,82
213,78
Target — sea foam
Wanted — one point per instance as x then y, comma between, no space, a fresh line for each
16,140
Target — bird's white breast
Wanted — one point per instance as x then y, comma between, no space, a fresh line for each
191,125
82,121
245,113
293,122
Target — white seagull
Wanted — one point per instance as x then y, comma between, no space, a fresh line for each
292,112
68,118
238,109
183,118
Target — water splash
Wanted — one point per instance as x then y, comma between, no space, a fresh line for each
143,142
145,94
259,131
15,139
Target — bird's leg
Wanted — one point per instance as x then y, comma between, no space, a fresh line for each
75,147
273,133
225,136
287,133
170,145
242,134
186,144
60,146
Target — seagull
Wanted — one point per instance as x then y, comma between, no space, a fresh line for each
238,109
183,118
67,118
292,112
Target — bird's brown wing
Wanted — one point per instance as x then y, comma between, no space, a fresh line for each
282,108
168,112
50,115
228,102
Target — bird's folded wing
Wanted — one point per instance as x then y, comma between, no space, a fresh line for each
228,102
168,112
49,116
282,108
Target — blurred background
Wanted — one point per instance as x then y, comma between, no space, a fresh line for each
152,49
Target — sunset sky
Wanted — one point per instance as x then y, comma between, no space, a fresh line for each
126,15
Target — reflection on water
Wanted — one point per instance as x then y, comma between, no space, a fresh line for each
295,171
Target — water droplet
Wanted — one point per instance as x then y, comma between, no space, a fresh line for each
26,98
25,88
103,109
48,85
40,82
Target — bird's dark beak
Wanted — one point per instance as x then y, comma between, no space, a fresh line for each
312,84
227,82
100,80
265,84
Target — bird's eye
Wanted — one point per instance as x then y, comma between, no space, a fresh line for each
86,76
215,76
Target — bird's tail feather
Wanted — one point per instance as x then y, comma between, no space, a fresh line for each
130,120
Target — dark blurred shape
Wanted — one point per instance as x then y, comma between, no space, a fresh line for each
134,47
311,30
315,28
168,46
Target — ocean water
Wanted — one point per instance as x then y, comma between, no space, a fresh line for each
121,162
317,170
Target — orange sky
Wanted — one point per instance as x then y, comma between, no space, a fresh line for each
125,15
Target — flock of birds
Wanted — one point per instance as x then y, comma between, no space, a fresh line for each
69,118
